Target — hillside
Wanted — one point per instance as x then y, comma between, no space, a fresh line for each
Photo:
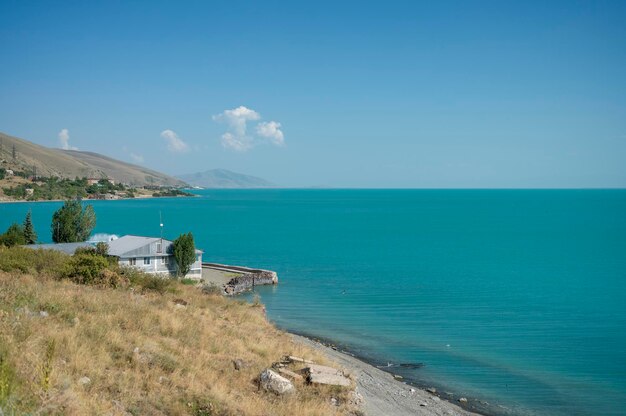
72,163
222,178
146,346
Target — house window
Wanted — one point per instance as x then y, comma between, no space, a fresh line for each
132,262
159,248
164,260
146,260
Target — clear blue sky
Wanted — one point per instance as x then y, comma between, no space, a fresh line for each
387,94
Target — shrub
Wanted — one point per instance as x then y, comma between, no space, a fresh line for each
48,262
147,282
85,268
13,236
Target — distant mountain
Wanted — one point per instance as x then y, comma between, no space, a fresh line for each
222,178
73,163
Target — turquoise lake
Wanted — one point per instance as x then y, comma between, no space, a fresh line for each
516,298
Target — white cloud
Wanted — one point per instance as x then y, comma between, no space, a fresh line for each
136,158
237,119
174,143
64,139
238,143
237,138
271,130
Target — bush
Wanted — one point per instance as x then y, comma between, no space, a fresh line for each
147,282
25,260
14,236
86,268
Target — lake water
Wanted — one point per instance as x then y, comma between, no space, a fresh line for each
512,297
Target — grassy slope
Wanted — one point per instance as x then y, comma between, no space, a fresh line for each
71,164
142,352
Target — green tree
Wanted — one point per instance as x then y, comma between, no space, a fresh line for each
13,236
29,230
184,251
73,223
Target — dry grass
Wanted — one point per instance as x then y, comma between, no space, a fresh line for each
143,354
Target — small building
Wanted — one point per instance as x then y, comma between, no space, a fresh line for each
148,254
9,172
29,191
151,255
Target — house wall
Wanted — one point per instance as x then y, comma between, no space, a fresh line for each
156,267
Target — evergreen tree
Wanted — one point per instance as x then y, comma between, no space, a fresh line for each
29,230
184,251
73,223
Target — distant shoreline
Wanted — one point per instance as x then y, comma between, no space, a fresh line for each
20,201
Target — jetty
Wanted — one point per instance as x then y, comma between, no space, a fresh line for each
234,280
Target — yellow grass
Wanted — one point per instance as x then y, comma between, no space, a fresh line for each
143,354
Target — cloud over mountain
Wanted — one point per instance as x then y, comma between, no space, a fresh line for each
237,137
174,143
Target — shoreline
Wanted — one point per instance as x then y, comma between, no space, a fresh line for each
383,394
22,201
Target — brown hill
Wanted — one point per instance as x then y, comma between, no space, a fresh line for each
46,161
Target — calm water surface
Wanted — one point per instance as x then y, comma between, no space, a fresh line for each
515,298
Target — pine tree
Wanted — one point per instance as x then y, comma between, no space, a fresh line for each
184,250
29,230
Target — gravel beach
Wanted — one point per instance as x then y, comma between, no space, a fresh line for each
382,394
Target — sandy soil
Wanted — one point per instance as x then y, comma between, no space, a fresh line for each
216,277
382,394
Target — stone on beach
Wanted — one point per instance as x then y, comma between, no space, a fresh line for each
290,374
275,383
320,374
294,359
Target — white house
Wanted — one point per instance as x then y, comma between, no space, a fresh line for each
148,254
151,255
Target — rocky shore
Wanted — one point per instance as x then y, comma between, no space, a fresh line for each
382,394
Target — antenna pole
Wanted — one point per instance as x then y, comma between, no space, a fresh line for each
161,225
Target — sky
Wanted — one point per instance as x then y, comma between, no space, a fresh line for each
393,94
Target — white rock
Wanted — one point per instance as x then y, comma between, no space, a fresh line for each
84,380
271,381
463,400
320,374
43,314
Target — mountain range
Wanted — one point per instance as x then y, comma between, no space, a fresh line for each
22,155
222,178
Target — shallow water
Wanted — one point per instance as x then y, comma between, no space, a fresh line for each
513,297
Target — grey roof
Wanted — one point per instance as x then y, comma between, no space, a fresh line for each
131,246
67,248
127,246
129,243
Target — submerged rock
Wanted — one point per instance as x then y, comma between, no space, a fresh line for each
275,383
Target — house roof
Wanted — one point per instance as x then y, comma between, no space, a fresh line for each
67,248
126,245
